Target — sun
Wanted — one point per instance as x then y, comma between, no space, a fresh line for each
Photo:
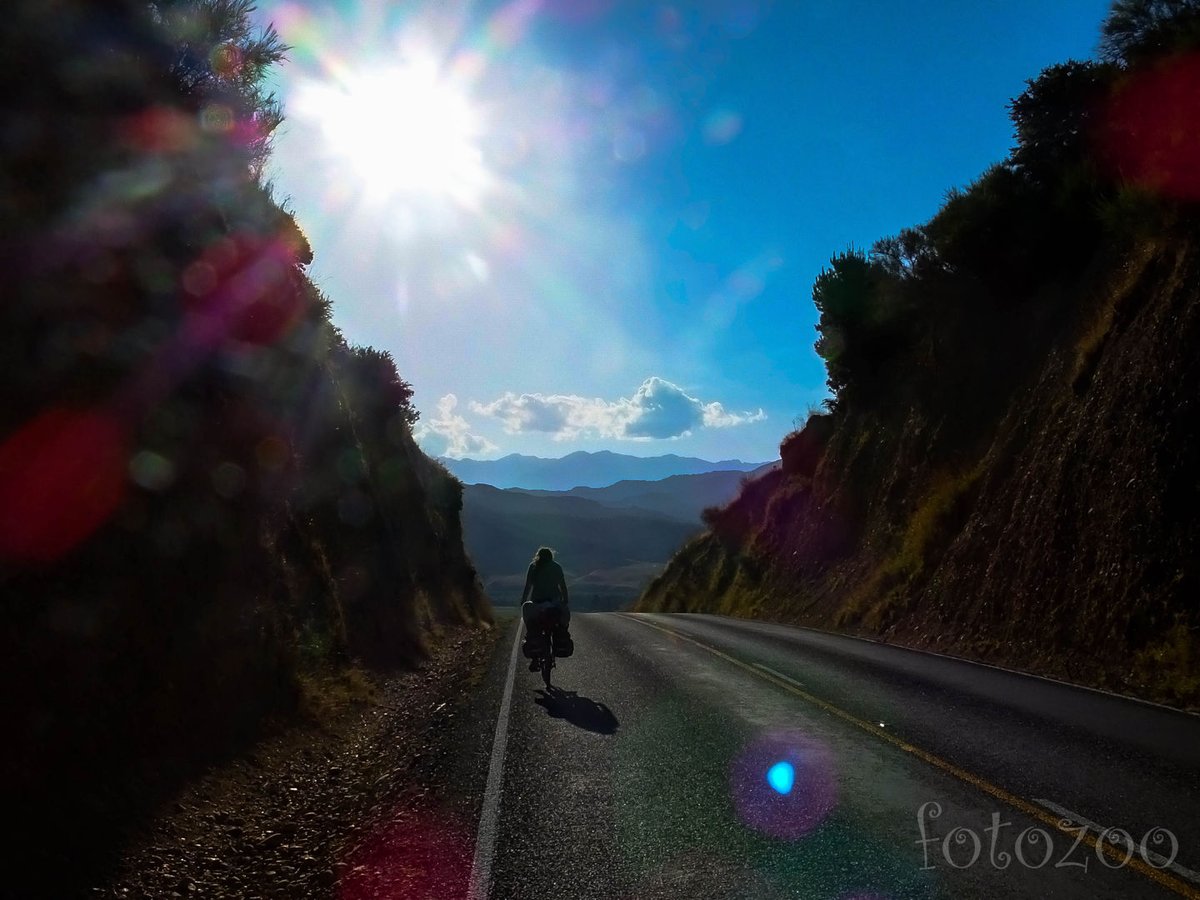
403,130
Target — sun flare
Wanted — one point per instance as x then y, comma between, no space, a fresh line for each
403,130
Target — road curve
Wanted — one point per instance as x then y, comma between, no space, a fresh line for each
699,756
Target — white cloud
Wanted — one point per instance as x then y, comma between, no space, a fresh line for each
658,410
716,416
455,430
530,412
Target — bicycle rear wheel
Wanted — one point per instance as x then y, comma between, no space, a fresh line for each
547,663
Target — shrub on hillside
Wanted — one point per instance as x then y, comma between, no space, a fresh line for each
801,450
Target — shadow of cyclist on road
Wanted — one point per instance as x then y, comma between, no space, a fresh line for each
582,712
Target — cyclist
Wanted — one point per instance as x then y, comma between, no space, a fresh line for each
545,595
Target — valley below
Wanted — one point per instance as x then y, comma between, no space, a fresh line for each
612,540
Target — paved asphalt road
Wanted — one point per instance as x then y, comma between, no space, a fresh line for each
698,756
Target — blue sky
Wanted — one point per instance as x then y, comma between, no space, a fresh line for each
594,224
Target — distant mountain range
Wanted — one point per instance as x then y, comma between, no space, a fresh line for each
583,469
680,497
611,540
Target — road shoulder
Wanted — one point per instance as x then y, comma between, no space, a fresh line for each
322,809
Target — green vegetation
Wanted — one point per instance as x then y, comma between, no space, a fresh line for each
1173,663
936,520
1092,337
210,502
1139,31
1007,467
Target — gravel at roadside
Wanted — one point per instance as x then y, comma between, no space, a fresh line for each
368,803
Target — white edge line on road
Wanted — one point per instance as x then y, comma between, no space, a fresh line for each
1147,854
485,842
779,675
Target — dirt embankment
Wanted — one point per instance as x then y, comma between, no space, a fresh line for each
1050,525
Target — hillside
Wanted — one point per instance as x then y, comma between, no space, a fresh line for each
682,497
1009,469
211,505
581,469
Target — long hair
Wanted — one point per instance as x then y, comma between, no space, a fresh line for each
544,554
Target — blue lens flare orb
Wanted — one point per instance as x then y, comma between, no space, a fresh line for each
784,784
781,776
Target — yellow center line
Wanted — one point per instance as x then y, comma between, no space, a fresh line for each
1034,812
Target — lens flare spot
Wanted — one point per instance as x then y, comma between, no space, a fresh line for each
151,471
226,59
722,126
799,790
243,289
160,129
1149,132
62,476
422,853
509,25
629,145
781,776
216,118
